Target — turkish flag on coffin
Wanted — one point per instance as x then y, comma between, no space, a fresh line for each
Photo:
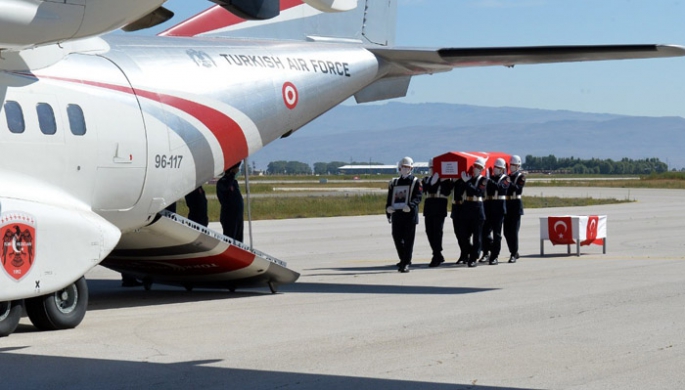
450,165
560,230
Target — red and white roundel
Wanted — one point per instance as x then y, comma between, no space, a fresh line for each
18,232
290,95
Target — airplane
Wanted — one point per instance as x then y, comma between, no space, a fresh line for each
101,132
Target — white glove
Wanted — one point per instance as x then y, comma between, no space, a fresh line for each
390,210
406,209
465,176
434,178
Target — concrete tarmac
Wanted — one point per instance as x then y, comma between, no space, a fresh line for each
598,321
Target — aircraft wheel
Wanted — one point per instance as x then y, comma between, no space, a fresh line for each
63,309
272,287
188,287
10,314
147,284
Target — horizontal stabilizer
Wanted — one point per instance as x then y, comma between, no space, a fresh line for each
421,61
176,251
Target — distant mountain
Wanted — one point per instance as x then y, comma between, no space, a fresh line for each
388,132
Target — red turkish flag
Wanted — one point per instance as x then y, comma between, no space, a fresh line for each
560,230
591,232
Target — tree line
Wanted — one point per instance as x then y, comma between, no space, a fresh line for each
625,166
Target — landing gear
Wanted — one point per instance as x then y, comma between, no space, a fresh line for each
63,309
10,314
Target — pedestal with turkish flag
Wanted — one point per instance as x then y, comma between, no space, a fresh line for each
574,229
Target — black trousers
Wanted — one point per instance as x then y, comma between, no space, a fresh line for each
434,227
492,235
512,224
403,233
472,230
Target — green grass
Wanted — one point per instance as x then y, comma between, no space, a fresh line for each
338,206
282,207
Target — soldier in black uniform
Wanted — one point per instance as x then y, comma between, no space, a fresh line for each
228,192
472,212
512,220
459,189
495,209
436,191
197,206
402,210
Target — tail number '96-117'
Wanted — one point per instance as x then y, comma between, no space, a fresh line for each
164,161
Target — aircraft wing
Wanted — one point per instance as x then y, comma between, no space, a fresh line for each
176,251
398,65
407,62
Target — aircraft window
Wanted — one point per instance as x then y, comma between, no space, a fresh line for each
15,117
46,119
77,122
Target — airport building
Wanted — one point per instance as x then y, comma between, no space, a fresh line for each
420,168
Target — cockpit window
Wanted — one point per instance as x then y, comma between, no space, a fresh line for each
15,117
77,122
46,118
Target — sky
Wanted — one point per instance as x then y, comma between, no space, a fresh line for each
634,87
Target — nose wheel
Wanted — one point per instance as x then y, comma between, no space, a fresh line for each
63,309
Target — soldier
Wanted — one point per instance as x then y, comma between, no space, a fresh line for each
228,192
402,211
197,206
459,189
495,209
512,220
472,212
436,191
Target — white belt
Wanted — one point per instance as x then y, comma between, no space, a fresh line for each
474,198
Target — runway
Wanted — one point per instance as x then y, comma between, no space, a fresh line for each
598,321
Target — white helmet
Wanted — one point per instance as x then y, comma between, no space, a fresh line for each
406,162
480,161
499,163
515,160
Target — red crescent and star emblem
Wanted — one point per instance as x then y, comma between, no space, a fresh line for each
290,95
559,229
18,253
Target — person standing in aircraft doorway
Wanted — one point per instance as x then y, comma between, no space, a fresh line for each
472,212
402,211
512,220
197,206
436,193
232,206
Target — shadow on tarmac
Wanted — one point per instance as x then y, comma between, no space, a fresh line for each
55,372
301,287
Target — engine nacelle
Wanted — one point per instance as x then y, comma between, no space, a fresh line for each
29,23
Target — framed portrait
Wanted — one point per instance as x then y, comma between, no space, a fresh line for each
400,197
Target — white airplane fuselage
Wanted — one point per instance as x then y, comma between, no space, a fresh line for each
162,116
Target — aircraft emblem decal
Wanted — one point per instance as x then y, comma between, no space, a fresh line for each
290,95
18,232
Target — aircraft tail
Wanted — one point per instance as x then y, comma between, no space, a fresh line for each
371,22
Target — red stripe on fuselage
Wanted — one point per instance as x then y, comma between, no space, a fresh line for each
213,19
226,131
